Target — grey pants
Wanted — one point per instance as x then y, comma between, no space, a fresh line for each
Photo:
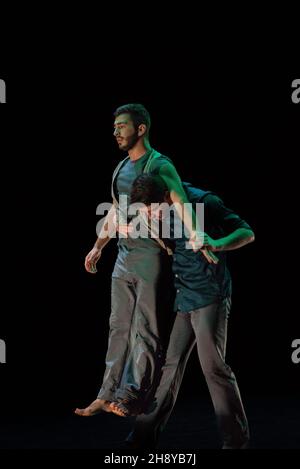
207,327
135,346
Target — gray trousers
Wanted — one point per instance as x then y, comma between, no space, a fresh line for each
207,327
135,346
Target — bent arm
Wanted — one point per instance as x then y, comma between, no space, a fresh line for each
235,240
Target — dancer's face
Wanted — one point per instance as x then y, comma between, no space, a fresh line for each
158,211
125,132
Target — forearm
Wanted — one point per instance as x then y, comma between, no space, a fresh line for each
101,242
108,229
184,211
235,240
179,198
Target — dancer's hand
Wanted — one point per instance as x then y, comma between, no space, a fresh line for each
210,257
199,242
91,260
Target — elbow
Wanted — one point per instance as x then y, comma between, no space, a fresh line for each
251,237
176,198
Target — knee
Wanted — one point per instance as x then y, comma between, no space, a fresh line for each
216,371
174,362
117,328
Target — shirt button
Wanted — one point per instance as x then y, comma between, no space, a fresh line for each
176,275
178,290
178,306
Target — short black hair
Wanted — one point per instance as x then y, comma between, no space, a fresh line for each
148,189
138,114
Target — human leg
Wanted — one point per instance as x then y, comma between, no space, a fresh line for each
123,301
151,423
210,326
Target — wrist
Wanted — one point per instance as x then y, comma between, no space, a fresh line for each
196,235
196,240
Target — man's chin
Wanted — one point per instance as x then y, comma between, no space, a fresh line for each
124,147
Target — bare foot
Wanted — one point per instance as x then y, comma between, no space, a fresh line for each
126,408
99,405
119,409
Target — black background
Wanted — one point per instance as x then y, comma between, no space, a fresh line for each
230,127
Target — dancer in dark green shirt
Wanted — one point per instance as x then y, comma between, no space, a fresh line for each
202,306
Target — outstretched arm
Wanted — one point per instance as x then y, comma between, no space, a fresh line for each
187,215
178,196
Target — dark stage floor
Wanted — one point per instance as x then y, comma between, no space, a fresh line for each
274,425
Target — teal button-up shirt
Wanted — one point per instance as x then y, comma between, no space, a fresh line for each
197,282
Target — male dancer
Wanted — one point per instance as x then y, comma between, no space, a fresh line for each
136,301
203,299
